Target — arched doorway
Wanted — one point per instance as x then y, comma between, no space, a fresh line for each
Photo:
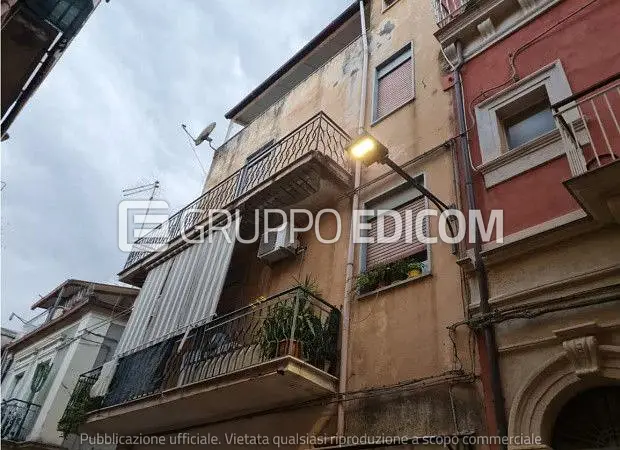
590,420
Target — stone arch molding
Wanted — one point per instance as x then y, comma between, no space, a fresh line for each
581,365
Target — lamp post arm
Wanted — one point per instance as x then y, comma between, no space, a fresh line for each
412,181
425,192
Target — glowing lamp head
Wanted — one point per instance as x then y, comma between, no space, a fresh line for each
367,150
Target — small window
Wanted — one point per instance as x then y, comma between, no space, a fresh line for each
529,124
387,263
394,83
378,253
16,385
388,3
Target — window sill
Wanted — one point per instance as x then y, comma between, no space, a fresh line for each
384,8
532,154
393,286
398,108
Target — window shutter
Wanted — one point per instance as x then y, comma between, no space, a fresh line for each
394,88
385,253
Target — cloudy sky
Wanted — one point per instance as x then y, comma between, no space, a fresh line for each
108,117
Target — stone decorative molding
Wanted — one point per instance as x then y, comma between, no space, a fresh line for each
527,5
581,347
486,28
583,355
582,364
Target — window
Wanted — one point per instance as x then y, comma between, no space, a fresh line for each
254,166
394,83
526,119
529,124
388,3
16,385
378,253
516,127
387,263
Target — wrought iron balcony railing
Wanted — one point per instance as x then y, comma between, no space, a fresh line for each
295,323
589,124
66,15
320,134
18,419
447,10
80,402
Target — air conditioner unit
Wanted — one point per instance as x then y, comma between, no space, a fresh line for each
278,244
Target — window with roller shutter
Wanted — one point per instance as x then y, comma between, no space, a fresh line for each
406,203
394,83
408,245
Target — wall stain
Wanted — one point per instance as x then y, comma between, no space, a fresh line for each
387,28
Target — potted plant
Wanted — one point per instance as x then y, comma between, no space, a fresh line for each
277,327
399,270
367,281
414,269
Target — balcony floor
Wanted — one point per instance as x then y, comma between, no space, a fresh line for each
598,192
280,382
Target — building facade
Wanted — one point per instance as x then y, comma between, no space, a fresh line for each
35,34
77,331
539,97
8,336
310,335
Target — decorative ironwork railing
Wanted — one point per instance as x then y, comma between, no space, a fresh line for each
589,124
80,402
18,418
320,134
447,10
294,322
66,15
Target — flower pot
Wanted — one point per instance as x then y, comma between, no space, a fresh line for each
414,273
290,347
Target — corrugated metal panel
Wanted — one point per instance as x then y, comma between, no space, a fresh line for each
183,290
142,308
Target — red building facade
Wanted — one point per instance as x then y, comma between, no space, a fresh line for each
540,103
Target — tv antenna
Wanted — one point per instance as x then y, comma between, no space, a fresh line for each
152,187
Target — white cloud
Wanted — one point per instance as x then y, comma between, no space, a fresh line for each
108,117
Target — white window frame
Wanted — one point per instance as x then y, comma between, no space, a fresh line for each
498,162
387,66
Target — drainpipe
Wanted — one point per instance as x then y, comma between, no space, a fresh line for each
488,330
348,287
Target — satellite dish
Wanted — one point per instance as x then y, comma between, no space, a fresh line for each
204,134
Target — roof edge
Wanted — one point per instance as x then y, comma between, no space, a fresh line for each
98,286
296,58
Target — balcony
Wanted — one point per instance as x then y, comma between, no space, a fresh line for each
66,15
274,352
18,418
447,10
589,124
307,166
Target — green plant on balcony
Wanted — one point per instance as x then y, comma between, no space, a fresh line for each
292,326
386,274
80,404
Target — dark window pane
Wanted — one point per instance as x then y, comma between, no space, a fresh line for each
529,124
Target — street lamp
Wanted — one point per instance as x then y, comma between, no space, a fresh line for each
367,149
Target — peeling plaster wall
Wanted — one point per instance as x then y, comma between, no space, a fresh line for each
399,334
334,89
